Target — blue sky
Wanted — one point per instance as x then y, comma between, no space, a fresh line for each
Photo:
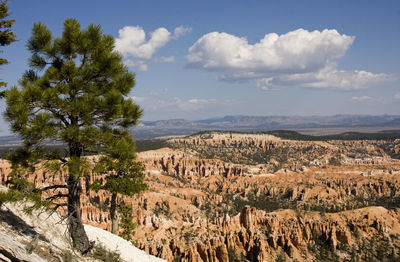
201,59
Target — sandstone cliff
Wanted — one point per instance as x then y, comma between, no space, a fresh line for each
295,200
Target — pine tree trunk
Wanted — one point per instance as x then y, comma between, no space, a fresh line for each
77,232
113,214
80,240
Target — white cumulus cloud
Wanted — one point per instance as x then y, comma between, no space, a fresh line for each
297,58
138,49
295,52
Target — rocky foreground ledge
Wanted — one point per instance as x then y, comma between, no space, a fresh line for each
41,236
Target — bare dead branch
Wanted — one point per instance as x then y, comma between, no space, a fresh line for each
57,206
53,187
56,196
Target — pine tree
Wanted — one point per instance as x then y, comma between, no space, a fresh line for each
6,35
123,175
76,92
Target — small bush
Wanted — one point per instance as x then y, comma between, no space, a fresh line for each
67,256
99,252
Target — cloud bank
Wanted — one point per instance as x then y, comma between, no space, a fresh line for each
138,49
325,78
361,98
175,104
297,58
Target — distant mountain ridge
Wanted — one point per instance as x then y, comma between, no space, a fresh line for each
151,129
312,125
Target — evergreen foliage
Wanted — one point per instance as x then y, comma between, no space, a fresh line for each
6,35
127,225
20,189
75,92
123,175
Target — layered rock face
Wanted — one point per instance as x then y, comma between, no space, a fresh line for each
188,166
237,197
260,141
202,222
